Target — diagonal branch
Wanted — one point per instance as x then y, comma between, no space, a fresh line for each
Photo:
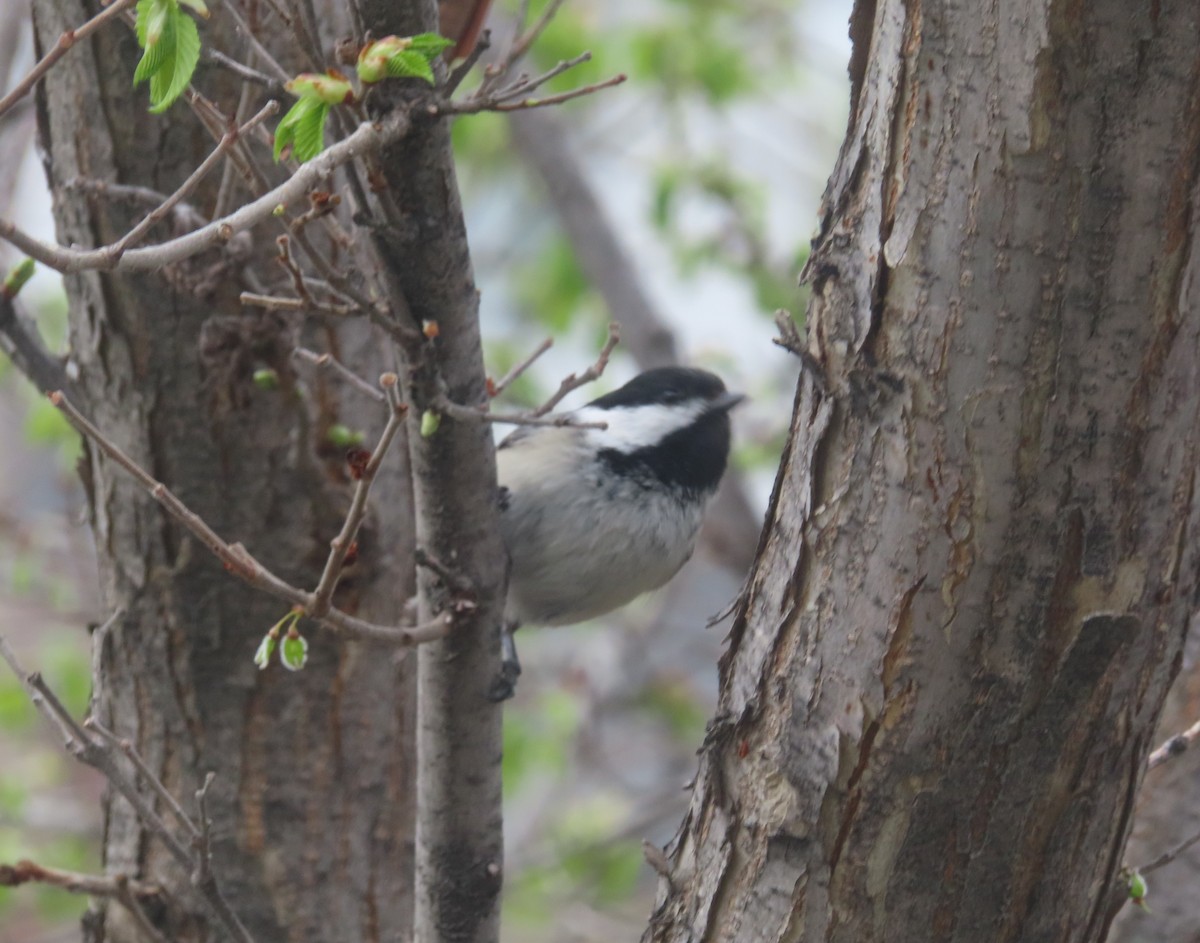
60,49
238,560
367,138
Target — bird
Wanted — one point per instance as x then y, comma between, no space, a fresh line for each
606,507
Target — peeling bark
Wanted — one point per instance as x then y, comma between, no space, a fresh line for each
983,548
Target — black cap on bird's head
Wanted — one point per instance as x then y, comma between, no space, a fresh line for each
669,425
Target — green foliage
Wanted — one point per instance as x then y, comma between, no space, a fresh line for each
553,287
16,713
430,423
293,653
17,277
538,739
45,425
171,49
677,705
399,57
343,436
303,127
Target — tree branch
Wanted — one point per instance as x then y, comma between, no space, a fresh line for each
238,560
60,49
368,138
100,754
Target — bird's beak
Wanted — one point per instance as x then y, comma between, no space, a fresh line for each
726,401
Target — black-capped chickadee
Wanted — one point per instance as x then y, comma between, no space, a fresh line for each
594,517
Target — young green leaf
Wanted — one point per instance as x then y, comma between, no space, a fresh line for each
401,57
152,19
303,127
332,88
173,76
294,651
410,64
266,648
429,423
171,45
15,280
430,44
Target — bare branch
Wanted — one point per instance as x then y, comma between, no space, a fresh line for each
1174,746
93,885
216,57
150,777
22,345
507,380
328,362
522,43
339,547
447,407
65,42
367,138
1168,856
133,905
134,236
574,382
239,561
101,755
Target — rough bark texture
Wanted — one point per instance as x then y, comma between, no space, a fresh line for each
312,803
984,546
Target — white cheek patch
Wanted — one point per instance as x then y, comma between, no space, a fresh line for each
635,427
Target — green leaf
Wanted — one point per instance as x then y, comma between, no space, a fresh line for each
343,436
151,13
153,33
196,5
430,44
21,273
303,127
410,64
266,648
429,423
331,89
266,379
293,652
173,76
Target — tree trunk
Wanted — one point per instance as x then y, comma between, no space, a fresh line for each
312,803
983,548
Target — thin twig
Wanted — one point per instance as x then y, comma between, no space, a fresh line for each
1174,746
101,756
65,42
18,339
93,885
574,382
448,407
339,547
282,303
328,362
134,236
1169,856
133,905
507,380
522,43
471,107
367,138
463,68
268,60
239,561
126,747
219,59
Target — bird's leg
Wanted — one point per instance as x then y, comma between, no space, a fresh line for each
505,684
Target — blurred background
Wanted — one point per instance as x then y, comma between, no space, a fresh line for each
682,201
